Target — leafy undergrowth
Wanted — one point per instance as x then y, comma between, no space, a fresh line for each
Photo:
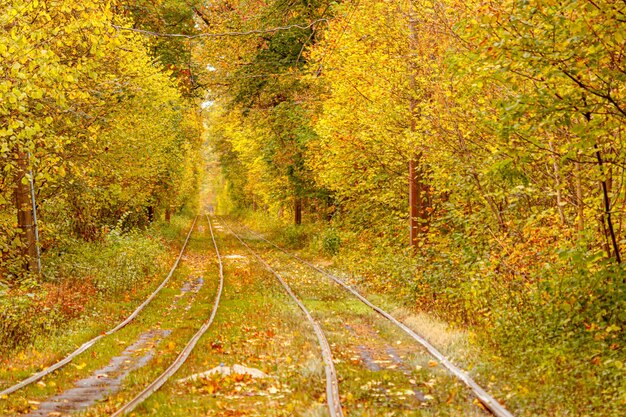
548,339
90,287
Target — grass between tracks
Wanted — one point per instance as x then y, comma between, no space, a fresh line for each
256,326
539,353
382,372
101,312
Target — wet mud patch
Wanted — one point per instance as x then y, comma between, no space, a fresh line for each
103,382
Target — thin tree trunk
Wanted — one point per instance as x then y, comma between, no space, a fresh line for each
579,199
25,219
557,185
413,202
607,207
298,211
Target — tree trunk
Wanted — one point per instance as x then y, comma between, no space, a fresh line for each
298,211
579,199
557,186
168,213
418,197
607,208
413,202
25,219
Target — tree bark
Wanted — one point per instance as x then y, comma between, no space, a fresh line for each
298,211
607,208
25,219
413,202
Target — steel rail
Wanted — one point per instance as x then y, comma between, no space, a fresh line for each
36,377
184,354
485,398
332,385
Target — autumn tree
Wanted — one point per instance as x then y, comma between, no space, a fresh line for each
81,98
259,79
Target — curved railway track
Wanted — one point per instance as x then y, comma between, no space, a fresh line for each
485,398
332,385
85,346
184,354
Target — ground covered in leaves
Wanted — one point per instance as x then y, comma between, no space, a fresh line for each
381,371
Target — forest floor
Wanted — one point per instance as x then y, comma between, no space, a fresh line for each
381,371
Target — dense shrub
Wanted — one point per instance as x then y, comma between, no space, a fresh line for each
331,242
118,264
76,274
294,237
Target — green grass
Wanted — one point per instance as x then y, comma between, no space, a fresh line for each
352,327
256,326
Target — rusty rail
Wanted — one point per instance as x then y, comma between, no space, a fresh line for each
184,354
332,385
487,400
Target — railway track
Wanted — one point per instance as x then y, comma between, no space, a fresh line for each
490,403
85,346
184,354
332,385
333,399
